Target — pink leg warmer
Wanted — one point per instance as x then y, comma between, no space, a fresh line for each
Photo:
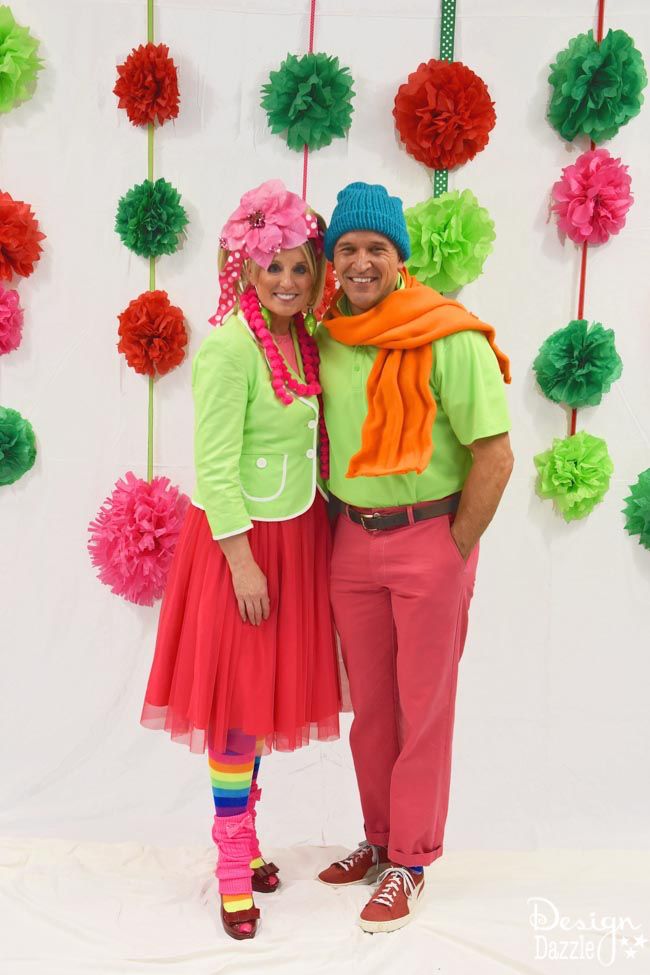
254,795
234,837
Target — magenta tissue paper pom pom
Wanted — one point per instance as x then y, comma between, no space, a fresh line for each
593,197
11,321
134,535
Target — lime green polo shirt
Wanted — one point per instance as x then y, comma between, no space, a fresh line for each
471,403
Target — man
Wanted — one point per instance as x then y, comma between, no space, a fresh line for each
419,458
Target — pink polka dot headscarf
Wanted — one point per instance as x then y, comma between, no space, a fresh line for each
268,219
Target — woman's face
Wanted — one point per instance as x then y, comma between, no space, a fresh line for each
285,286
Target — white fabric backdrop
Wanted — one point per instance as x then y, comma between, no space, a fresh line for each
552,726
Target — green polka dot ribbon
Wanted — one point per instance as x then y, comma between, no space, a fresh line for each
447,31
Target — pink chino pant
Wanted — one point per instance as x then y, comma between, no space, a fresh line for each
401,601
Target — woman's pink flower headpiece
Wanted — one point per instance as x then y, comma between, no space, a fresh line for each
268,219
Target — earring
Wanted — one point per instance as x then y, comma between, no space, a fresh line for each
310,321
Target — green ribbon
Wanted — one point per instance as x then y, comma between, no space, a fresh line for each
447,34
440,181
447,29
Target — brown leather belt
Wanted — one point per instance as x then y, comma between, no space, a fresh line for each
377,520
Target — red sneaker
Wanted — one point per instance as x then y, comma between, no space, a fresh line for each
362,866
394,902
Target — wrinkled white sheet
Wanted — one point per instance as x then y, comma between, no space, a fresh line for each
86,908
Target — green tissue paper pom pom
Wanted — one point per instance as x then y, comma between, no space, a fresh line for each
451,236
150,218
308,100
596,87
574,474
577,364
637,509
17,445
18,61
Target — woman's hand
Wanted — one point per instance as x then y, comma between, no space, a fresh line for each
249,583
248,580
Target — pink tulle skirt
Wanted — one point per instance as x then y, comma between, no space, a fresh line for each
280,680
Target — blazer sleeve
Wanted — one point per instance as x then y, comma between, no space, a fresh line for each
220,391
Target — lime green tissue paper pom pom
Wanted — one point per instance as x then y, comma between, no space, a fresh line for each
597,88
308,100
637,509
577,364
19,64
150,218
17,445
574,474
451,236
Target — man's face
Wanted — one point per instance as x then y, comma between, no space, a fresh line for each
366,265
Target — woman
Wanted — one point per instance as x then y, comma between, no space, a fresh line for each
245,657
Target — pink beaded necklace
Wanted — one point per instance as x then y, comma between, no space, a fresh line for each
281,378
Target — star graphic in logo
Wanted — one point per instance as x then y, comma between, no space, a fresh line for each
630,952
624,941
640,941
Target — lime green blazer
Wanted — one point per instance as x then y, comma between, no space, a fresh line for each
255,459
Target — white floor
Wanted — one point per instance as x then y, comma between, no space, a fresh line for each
79,909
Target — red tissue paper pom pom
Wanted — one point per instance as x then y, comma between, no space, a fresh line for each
147,85
20,238
152,334
330,289
133,537
444,114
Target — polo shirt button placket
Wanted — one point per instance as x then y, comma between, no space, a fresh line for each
356,368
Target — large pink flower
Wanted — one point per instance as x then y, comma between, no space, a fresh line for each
133,537
593,197
11,320
268,219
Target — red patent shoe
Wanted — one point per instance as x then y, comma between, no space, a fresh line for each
240,925
265,879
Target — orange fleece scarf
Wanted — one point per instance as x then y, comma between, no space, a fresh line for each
396,434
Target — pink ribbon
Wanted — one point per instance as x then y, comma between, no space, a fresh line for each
231,829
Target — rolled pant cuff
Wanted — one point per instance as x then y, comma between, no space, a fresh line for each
413,859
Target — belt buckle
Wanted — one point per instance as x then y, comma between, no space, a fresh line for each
375,514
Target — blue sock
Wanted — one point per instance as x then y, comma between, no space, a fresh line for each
417,869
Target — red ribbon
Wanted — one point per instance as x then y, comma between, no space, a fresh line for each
585,246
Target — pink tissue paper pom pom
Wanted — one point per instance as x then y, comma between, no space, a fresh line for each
11,321
133,537
593,197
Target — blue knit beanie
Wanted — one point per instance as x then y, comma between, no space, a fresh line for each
363,206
